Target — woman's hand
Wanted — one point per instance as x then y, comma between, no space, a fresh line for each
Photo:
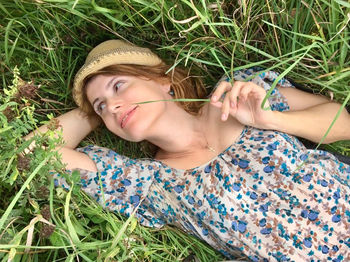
242,100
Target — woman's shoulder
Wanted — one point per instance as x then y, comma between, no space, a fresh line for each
106,158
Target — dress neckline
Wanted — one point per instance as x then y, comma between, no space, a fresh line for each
243,132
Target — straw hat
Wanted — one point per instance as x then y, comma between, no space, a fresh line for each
111,52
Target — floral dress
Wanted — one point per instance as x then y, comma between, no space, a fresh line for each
265,196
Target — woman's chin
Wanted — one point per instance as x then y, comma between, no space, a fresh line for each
131,134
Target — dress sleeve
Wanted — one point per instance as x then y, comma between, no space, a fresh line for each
125,183
277,101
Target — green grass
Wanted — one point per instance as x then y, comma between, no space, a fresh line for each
308,41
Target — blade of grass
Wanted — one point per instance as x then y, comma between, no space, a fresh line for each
6,40
343,3
175,100
284,73
296,33
71,229
221,65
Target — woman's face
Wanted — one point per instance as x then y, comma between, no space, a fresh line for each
113,98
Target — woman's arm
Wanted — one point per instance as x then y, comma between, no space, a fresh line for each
75,125
310,117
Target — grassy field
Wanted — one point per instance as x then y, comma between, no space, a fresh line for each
44,42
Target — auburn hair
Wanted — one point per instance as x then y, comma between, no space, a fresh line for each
181,83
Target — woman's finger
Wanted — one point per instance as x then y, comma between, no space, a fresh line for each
217,104
254,91
225,109
236,89
220,90
245,91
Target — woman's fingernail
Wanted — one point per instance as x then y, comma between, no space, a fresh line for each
223,117
214,98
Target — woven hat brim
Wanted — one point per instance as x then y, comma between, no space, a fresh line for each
115,57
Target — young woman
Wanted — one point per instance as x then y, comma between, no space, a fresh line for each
227,171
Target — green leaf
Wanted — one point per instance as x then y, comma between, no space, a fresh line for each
13,176
56,239
102,9
133,225
79,228
343,3
97,219
2,130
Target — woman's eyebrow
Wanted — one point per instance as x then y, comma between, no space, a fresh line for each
109,84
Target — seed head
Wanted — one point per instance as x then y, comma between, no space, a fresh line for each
54,124
9,113
67,39
45,212
46,230
27,91
43,193
23,163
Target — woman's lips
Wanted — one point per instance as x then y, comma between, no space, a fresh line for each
127,116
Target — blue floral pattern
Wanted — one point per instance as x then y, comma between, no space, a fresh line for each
265,196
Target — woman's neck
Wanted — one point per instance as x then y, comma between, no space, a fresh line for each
180,134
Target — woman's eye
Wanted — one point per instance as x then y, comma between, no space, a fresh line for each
118,85
100,107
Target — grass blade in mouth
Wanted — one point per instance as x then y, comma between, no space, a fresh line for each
176,100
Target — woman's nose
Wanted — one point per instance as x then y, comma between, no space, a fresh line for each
113,105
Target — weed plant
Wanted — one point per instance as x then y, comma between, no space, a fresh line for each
44,42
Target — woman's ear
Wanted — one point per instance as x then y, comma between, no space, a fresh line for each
166,87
